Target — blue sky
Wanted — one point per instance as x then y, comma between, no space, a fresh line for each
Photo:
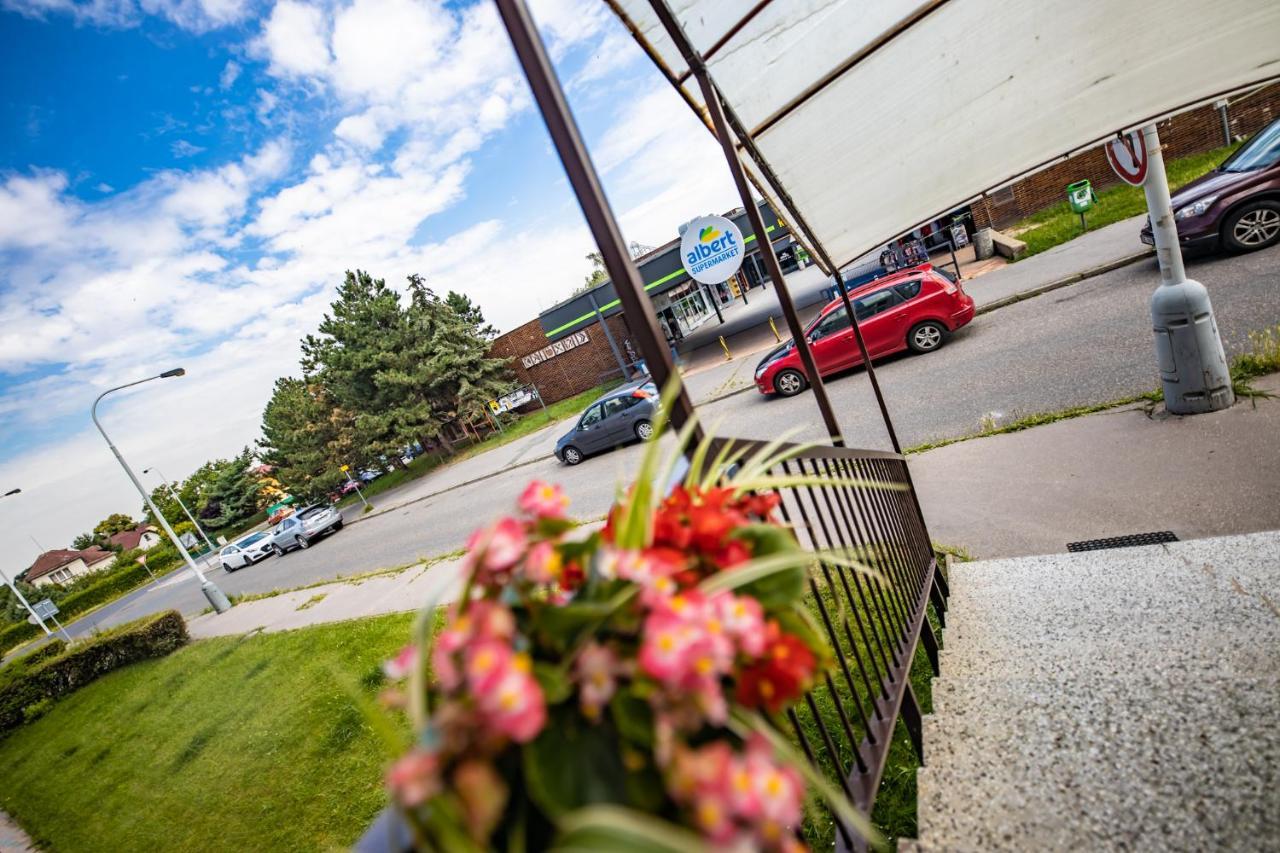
185,181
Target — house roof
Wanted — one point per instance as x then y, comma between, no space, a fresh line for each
51,561
130,539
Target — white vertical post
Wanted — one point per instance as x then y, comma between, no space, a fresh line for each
13,586
1193,367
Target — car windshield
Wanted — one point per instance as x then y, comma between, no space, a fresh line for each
310,511
249,540
1258,153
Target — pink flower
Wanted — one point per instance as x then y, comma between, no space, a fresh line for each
543,500
779,788
665,647
414,778
596,667
543,564
402,664
493,551
483,620
487,663
512,702
743,619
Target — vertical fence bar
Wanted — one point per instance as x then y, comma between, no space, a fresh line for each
767,253
532,56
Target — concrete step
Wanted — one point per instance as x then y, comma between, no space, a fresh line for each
1119,700
1251,557
1032,767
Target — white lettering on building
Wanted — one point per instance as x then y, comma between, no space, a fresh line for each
560,347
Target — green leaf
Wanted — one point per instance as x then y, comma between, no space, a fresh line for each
555,685
600,828
574,763
777,589
767,539
633,716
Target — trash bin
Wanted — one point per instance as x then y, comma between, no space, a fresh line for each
1080,196
984,245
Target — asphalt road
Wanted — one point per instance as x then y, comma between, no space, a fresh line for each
1088,343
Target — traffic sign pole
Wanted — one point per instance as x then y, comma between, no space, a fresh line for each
1189,355
13,586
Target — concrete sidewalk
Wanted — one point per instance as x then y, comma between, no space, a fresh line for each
1011,495
1108,474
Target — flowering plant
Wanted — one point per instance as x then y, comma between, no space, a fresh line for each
611,689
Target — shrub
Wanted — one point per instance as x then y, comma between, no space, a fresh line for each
16,634
28,694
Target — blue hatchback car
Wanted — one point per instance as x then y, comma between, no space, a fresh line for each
623,415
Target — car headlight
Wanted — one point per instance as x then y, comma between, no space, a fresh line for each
1197,208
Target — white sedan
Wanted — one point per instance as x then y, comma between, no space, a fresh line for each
246,551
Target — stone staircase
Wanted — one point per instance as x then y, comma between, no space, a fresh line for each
1126,699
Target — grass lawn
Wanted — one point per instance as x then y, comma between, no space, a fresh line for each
519,428
229,744
1055,225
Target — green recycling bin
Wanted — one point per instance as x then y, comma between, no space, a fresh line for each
1080,196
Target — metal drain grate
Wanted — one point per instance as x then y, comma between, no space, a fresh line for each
1130,541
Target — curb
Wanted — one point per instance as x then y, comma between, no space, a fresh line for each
1074,278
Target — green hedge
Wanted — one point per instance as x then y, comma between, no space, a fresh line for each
16,634
112,586
28,694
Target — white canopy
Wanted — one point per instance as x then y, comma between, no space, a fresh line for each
880,115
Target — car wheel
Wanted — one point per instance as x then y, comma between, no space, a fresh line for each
279,551
302,542
1254,226
337,526
644,430
571,455
789,383
925,337
226,568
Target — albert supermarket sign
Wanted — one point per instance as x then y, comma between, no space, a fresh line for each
560,347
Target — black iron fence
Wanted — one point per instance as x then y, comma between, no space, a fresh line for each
845,724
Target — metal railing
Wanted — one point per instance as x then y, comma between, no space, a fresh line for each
845,724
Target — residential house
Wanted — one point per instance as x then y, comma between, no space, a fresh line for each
144,536
64,565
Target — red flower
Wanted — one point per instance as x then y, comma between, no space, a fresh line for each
780,676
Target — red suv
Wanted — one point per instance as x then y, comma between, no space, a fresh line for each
911,309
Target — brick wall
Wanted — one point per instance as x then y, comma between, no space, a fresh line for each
571,372
1187,133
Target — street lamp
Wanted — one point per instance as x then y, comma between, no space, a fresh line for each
178,498
13,586
215,596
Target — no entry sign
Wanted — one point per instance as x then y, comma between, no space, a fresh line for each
1128,158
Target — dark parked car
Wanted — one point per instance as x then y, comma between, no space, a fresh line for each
621,416
1236,206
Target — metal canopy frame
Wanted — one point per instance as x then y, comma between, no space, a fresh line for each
771,187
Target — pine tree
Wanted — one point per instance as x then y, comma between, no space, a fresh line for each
233,497
358,343
467,311
306,438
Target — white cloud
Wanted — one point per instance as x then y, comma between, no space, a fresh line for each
182,148
230,73
295,39
196,15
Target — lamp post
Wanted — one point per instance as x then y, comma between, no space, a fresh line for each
178,498
13,586
215,596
